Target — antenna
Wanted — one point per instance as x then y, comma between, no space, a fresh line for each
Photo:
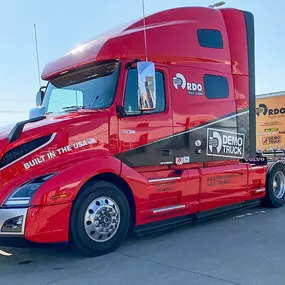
37,51
144,28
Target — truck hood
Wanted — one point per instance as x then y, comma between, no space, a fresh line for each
51,145
50,119
74,122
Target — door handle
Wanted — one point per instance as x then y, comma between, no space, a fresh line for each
167,152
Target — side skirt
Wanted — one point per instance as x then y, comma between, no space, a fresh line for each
198,217
164,225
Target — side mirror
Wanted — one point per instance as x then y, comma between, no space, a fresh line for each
146,86
40,96
37,112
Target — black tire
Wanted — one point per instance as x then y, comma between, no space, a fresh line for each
80,240
271,199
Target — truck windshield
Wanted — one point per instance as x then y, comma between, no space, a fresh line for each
91,88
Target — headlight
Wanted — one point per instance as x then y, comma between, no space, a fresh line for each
23,195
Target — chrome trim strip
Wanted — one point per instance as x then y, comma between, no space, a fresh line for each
163,179
6,214
169,208
260,190
27,154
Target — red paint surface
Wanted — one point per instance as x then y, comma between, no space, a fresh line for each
70,180
48,224
128,42
153,195
48,219
223,185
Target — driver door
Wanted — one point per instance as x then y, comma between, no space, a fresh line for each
142,134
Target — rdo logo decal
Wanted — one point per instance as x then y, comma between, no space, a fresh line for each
264,110
193,88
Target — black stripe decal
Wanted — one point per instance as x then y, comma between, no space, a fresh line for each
183,144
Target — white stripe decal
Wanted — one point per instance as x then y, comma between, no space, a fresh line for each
40,147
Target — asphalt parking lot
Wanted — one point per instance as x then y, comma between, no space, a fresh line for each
246,247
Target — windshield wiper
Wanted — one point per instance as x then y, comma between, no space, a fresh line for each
82,107
96,98
73,107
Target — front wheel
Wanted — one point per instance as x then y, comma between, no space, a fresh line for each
275,186
100,219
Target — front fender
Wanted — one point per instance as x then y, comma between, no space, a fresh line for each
64,186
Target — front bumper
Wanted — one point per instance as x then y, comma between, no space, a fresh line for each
18,238
7,217
37,224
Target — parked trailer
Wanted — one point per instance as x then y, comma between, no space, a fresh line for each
270,125
119,143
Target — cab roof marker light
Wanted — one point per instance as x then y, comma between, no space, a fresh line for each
216,5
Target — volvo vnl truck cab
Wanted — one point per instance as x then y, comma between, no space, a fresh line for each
119,143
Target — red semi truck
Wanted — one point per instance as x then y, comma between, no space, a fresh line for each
98,159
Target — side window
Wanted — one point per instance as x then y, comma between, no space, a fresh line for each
131,94
216,87
210,39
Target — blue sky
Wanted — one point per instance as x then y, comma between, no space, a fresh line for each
62,25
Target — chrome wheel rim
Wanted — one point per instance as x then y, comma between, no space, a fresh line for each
102,219
279,184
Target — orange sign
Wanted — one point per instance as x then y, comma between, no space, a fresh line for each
270,123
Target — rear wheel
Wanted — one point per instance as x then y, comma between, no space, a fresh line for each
275,186
100,219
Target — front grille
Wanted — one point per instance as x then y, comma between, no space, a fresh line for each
19,151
